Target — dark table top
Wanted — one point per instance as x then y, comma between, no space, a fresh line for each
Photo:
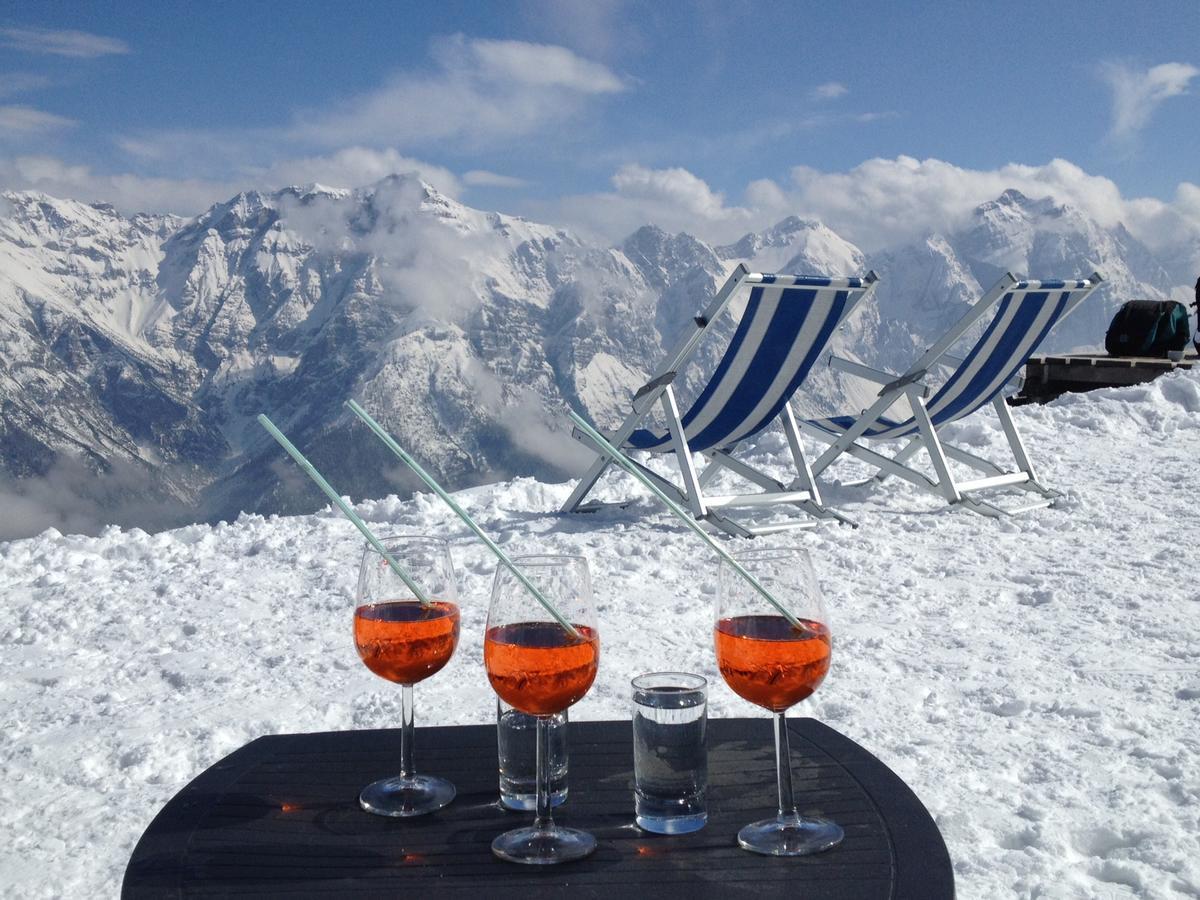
280,817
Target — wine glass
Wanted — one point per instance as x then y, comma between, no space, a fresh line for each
541,666
775,663
404,641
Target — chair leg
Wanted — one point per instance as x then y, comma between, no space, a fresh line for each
804,472
586,483
712,470
640,407
683,455
933,447
1018,446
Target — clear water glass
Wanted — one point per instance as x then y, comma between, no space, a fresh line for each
516,739
670,757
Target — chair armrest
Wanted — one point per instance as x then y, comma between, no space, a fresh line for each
858,369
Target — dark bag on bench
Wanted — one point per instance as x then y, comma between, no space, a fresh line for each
1148,328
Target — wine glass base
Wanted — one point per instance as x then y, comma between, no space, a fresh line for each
406,795
790,836
535,846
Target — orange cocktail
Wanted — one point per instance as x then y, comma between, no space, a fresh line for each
538,667
403,641
771,662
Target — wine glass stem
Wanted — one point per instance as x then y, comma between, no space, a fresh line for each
543,821
406,730
783,763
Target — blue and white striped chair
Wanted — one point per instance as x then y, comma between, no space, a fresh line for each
1025,312
783,332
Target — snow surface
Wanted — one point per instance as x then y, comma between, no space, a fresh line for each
1037,681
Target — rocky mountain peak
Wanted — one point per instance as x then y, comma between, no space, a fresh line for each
661,257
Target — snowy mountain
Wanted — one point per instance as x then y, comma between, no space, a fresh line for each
142,348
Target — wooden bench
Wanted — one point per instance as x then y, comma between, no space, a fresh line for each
1047,377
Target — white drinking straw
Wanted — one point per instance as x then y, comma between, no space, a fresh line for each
342,505
628,465
461,513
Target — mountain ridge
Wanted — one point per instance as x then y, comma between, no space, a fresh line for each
146,345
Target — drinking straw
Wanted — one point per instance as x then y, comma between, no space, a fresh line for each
461,513
342,505
627,464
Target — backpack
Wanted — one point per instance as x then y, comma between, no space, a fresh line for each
1148,328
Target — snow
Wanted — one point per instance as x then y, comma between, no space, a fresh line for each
1036,681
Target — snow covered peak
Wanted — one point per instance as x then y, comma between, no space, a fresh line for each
33,218
312,190
797,246
662,258
783,234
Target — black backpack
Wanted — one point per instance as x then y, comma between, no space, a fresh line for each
1148,328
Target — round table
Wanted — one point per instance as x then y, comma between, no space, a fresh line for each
280,817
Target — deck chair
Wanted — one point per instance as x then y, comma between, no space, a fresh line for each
783,332
1024,313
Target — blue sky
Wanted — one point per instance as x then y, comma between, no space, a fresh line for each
717,116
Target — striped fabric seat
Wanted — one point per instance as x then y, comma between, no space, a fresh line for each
784,329
1023,319
787,324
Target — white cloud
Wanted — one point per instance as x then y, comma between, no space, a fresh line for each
595,26
20,121
130,193
673,199
481,178
524,63
882,202
75,44
355,167
12,83
830,90
1137,93
879,203
482,91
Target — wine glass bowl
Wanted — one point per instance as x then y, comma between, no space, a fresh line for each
405,641
541,666
764,660
538,667
774,661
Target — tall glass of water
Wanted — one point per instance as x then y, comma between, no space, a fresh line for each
516,740
670,758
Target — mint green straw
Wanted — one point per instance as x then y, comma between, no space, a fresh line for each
342,505
625,463
462,514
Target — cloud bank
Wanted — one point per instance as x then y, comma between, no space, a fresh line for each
25,120
878,203
349,167
481,91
